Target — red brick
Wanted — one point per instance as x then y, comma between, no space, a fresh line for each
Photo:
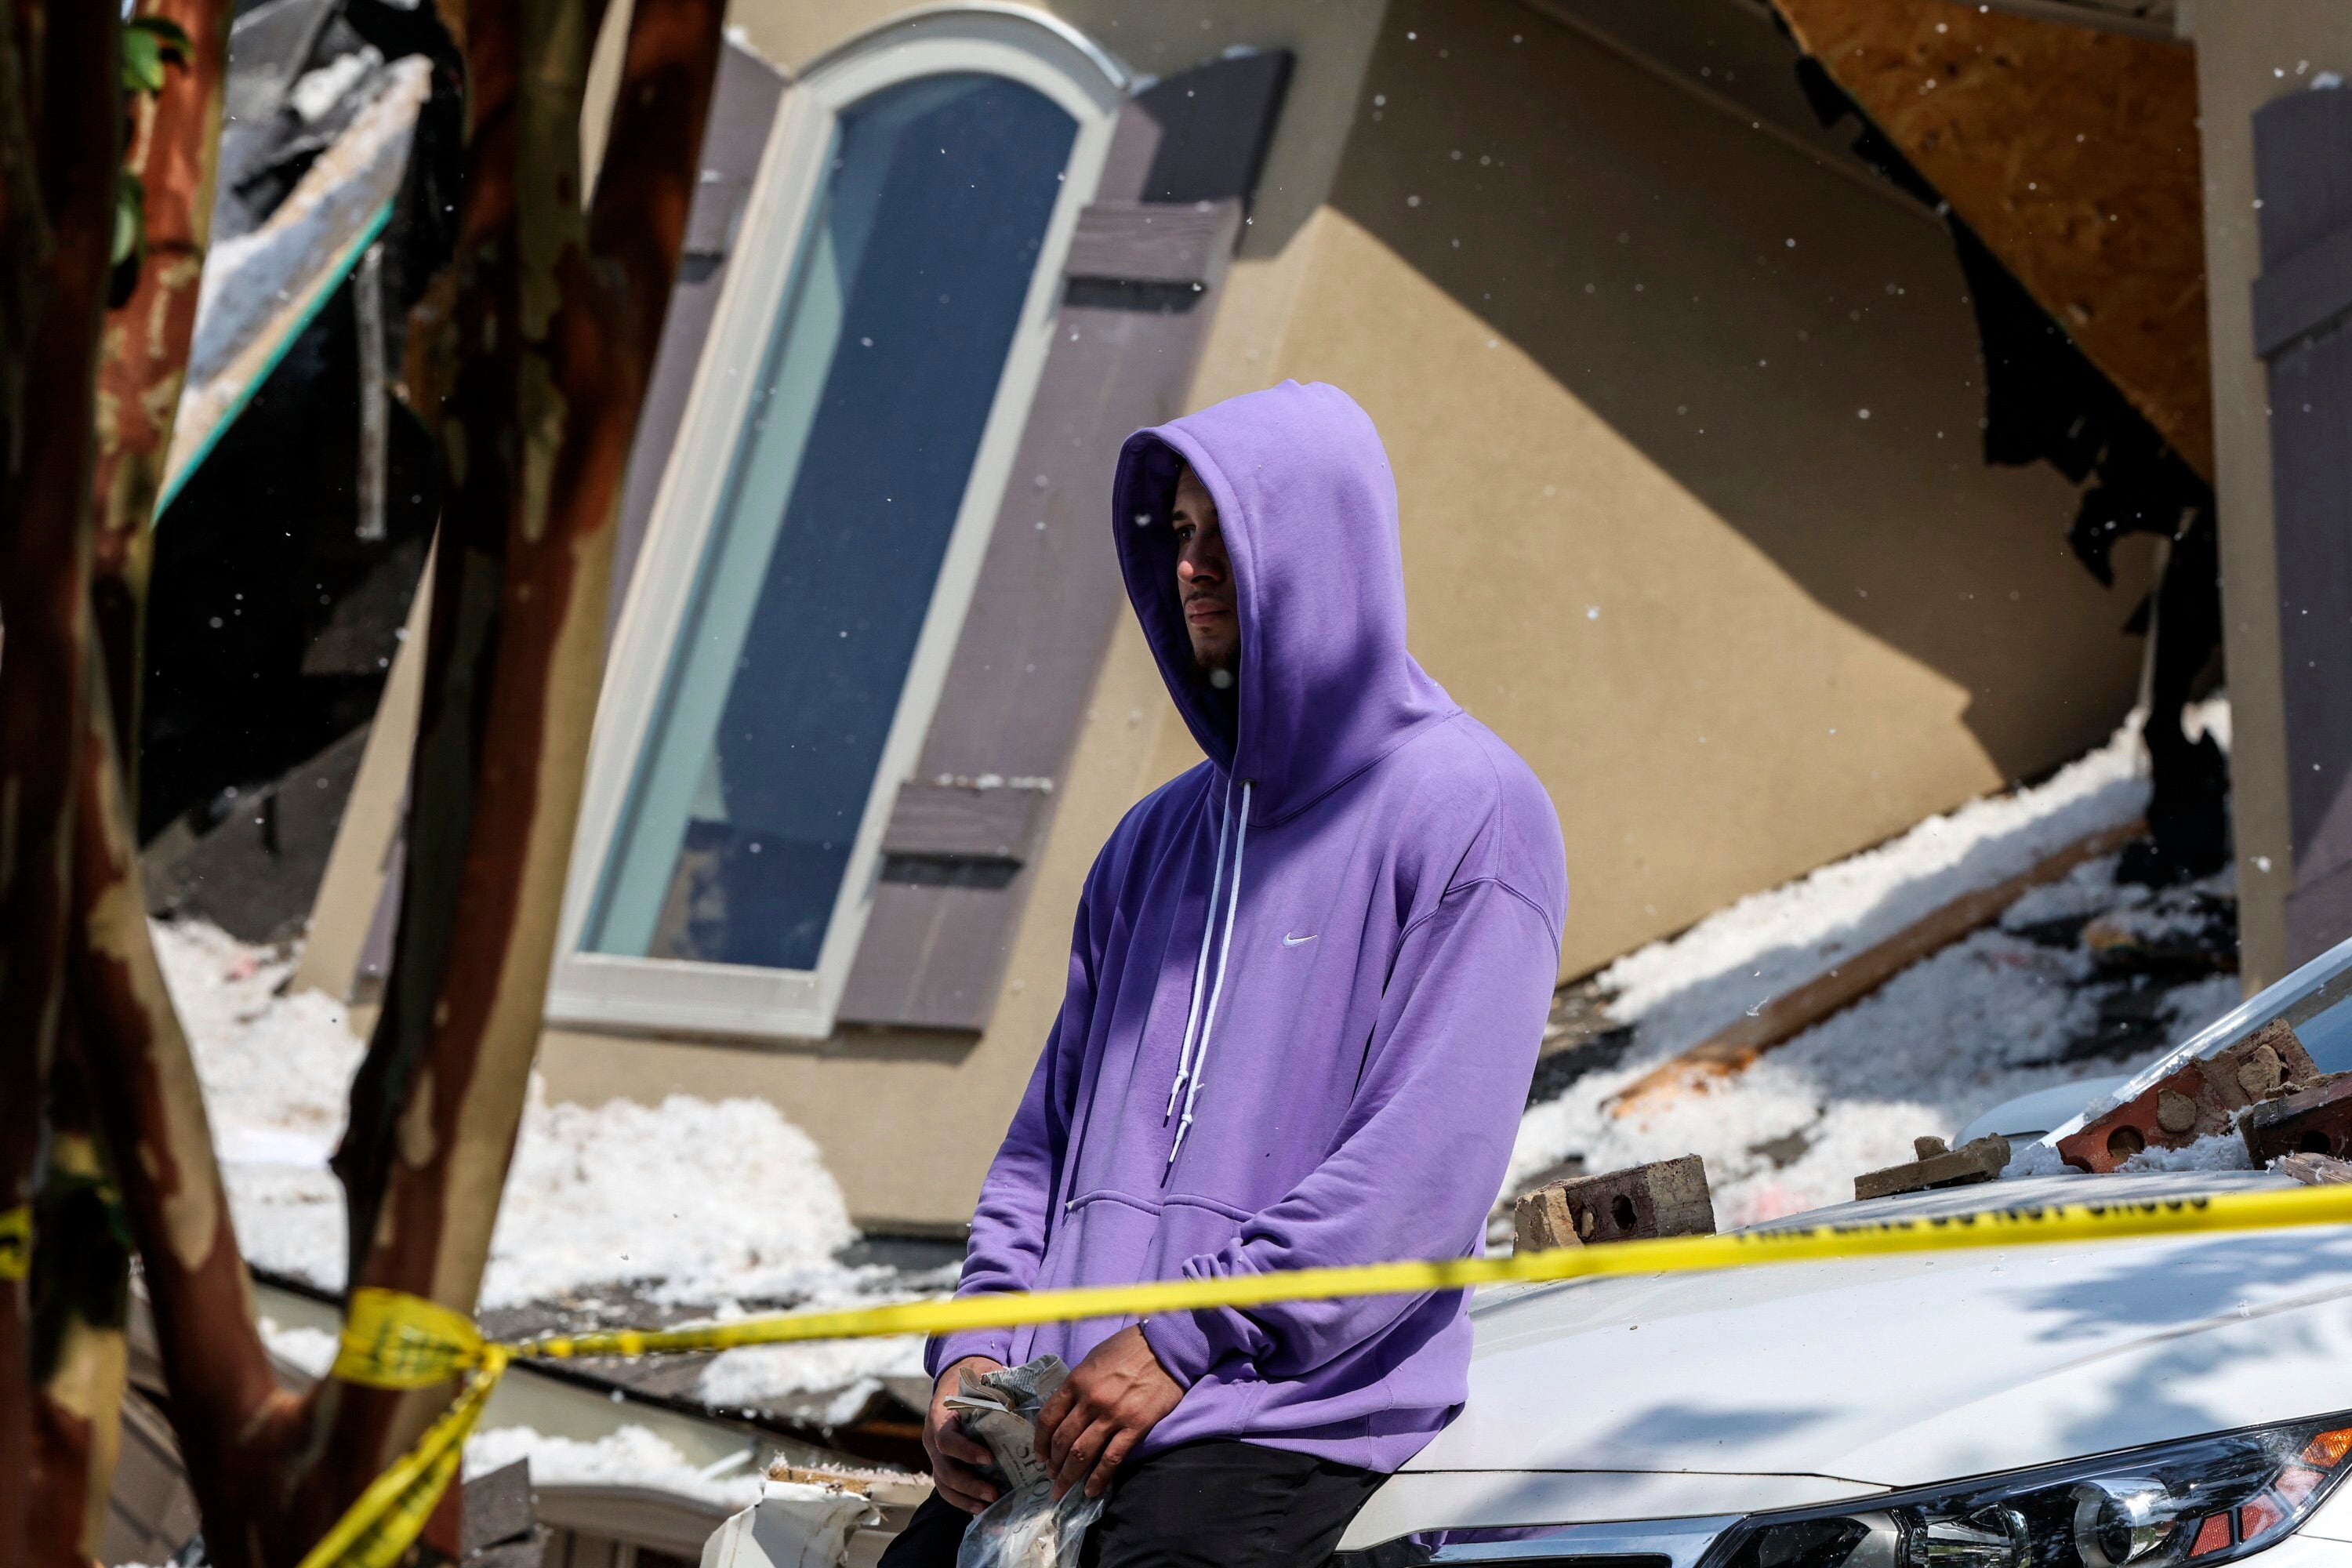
2198,1100
2315,1120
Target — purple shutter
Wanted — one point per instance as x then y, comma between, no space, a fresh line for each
2302,307
1140,284
743,107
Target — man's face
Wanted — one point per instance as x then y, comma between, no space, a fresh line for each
1205,576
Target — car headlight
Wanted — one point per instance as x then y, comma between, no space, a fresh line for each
2205,1500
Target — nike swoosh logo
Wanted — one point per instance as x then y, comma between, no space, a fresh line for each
1289,941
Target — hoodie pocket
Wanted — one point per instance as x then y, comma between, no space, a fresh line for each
1108,1236
1193,1226
1103,1238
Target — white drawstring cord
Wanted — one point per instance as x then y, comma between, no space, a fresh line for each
1225,952
1201,963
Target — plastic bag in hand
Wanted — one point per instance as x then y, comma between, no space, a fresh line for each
1024,1528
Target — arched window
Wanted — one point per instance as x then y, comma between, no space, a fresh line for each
823,517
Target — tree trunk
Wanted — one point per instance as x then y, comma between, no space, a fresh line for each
80,1280
80,1290
534,350
175,152
237,1429
531,355
58,143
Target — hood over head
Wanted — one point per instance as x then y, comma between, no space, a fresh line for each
1308,509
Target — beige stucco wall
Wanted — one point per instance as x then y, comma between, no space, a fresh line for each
1738,628
2248,52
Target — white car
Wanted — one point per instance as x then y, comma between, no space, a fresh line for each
2186,1400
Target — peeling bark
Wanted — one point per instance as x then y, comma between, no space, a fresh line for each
80,1290
238,1430
59,126
81,1280
531,356
174,149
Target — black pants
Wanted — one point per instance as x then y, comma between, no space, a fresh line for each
1218,1504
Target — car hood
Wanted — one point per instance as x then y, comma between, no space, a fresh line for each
1791,1383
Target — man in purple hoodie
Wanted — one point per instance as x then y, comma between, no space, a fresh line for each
1306,989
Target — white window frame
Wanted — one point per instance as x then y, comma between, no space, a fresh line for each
609,991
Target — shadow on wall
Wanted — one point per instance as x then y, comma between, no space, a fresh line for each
1328,42
1793,349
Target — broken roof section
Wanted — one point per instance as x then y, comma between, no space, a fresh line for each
314,147
2072,152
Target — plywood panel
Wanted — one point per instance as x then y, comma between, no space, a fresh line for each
2072,153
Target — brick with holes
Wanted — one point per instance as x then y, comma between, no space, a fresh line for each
1668,1198
2198,1100
2313,1121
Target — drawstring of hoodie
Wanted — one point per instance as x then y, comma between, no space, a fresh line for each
1190,1063
1201,963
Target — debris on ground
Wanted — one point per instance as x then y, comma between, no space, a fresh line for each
1739,1045
1579,1037
2023,1004
634,1456
685,1212
498,1525
796,1524
1936,1165
2181,932
2315,1169
1668,1198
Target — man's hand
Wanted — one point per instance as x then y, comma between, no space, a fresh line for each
956,1458
1115,1397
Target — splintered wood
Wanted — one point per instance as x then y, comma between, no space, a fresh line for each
2072,153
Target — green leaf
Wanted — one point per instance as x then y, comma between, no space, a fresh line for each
149,42
173,36
143,61
130,218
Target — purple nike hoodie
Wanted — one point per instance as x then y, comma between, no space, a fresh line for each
1307,980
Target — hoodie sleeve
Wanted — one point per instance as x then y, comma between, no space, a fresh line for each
1008,1228
1422,1154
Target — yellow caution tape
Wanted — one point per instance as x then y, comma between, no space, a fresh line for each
396,1340
377,1530
392,1339
16,1242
